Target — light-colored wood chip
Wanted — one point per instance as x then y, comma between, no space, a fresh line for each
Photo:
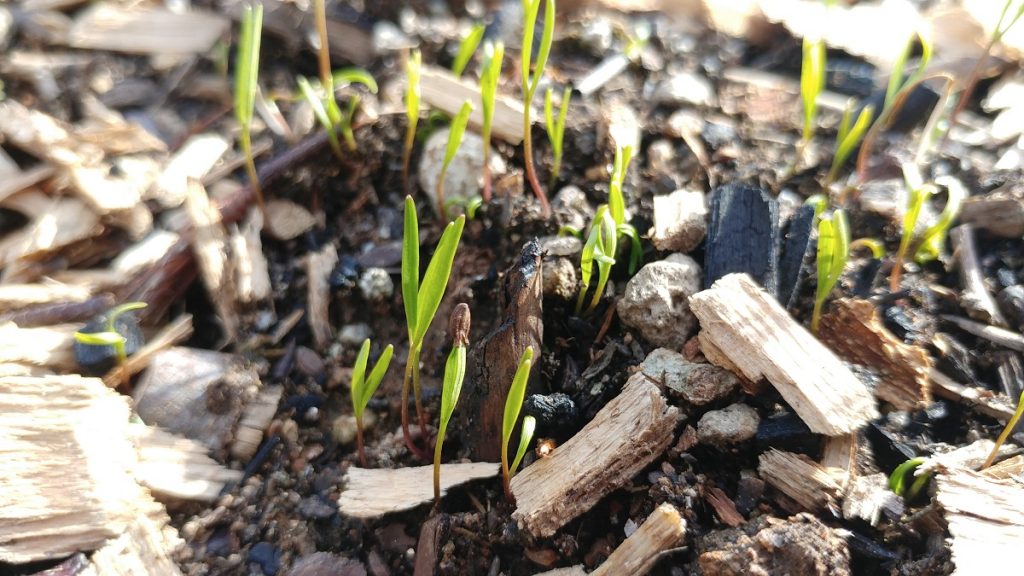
761,339
256,418
15,296
146,548
969,457
442,90
629,433
999,212
1009,468
370,493
252,274
23,179
974,298
176,468
50,346
319,266
854,331
978,399
59,223
287,220
125,266
869,497
839,457
995,334
146,30
664,529
985,518
210,246
803,480
194,160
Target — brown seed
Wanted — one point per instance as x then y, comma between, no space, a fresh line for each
458,325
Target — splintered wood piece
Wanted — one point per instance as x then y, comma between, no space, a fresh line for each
252,275
17,296
56,223
984,515
725,508
125,266
319,266
576,570
107,26
169,335
66,484
868,497
839,457
194,160
854,331
177,468
14,183
969,457
370,493
433,534
442,90
979,399
1000,336
1006,469
145,548
629,433
50,346
256,418
210,246
999,212
763,341
803,480
974,298
743,235
664,529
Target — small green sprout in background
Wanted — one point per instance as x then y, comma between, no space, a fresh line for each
421,301
466,49
934,238
531,8
493,55
812,82
412,112
931,242
900,476
247,67
848,137
873,245
917,193
455,134
363,388
1006,432
325,105
451,385
600,246
513,404
556,129
820,203
470,206
110,336
833,249
617,205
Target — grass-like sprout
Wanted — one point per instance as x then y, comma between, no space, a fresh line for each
421,301
934,237
600,246
412,112
110,336
325,106
455,134
466,49
917,193
469,205
513,404
617,205
530,83
493,55
247,67
451,387
833,249
848,137
556,129
820,203
899,477
363,388
1006,432
873,245
812,82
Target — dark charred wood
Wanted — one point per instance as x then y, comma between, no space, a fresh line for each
743,235
433,534
889,451
786,432
797,255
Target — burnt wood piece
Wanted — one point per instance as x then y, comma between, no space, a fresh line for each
743,235
433,535
798,252
493,360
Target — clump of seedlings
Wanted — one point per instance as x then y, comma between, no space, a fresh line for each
421,301
530,83
467,47
321,99
363,388
600,247
247,67
456,132
493,55
931,242
556,129
617,205
451,385
513,404
107,342
412,112
833,249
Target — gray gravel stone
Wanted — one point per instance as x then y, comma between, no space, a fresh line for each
376,284
685,88
559,278
656,301
696,383
680,221
728,426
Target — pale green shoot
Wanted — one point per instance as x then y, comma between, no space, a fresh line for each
317,104
466,48
451,385
513,404
493,55
833,249
531,8
247,67
848,137
412,112
873,245
363,388
1006,431
899,476
600,246
917,194
617,205
812,82
455,134
110,336
529,426
556,129
934,238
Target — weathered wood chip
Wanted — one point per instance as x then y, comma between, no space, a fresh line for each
370,493
107,26
176,468
319,266
803,480
442,90
664,529
210,245
984,516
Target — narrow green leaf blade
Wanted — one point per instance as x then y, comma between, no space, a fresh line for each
410,266
377,375
516,394
344,76
547,36
359,378
455,133
826,246
529,426
466,49
451,386
435,280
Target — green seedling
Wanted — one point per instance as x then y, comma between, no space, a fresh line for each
918,193
820,203
529,426
931,242
325,106
873,245
421,301
451,386
812,82
556,129
848,137
600,247
247,67
898,480
412,112
934,238
493,55
466,49
833,248
617,205
567,230
110,336
531,8
363,388
1006,432
470,206
455,134
513,404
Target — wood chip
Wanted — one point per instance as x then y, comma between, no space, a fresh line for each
999,212
287,220
629,433
176,468
194,159
210,246
974,298
108,26
801,479
854,331
748,326
1000,336
664,529
979,399
969,457
984,516
370,493
869,497
442,90
17,296
725,508
319,266
57,224
839,457
252,274
50,346
172,333
256,418
146,548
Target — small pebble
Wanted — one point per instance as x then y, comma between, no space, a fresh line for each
376,285
729,426
656,301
